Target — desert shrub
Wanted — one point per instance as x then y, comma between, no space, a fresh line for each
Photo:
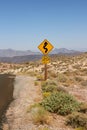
84,71
84,83
52,74
69,82
46,94
60,103
62,78
61,89
83,108
39,115
49,82
76,66
77,120
67,73
49,86
78,79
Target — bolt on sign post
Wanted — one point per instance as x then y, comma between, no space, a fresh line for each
45,47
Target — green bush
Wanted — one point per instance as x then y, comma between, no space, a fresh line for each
49,86
77,120
60,103
48,82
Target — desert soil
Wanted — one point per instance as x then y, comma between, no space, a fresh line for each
25,94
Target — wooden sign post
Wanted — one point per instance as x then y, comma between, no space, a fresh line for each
45,47
45,61
45,74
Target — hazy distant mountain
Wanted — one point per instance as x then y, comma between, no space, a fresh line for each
12,53
64,51
20,59
14,56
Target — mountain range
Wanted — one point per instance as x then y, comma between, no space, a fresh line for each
17,56
12,53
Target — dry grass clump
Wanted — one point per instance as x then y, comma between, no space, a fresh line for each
76,66
36,83
61,78
67,73
69,82
77,119
71,78
39,115
84,71
83,108
52,74
84,83
65,79
78,79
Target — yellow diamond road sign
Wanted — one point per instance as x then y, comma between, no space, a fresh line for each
45,59
45,47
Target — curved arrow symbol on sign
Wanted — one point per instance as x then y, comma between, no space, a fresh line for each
45,44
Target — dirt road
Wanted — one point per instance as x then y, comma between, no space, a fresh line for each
25,94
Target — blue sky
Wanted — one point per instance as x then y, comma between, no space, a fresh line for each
24,24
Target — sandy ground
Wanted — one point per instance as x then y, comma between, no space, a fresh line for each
25,94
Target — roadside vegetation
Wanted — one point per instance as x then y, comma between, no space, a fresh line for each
67,78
